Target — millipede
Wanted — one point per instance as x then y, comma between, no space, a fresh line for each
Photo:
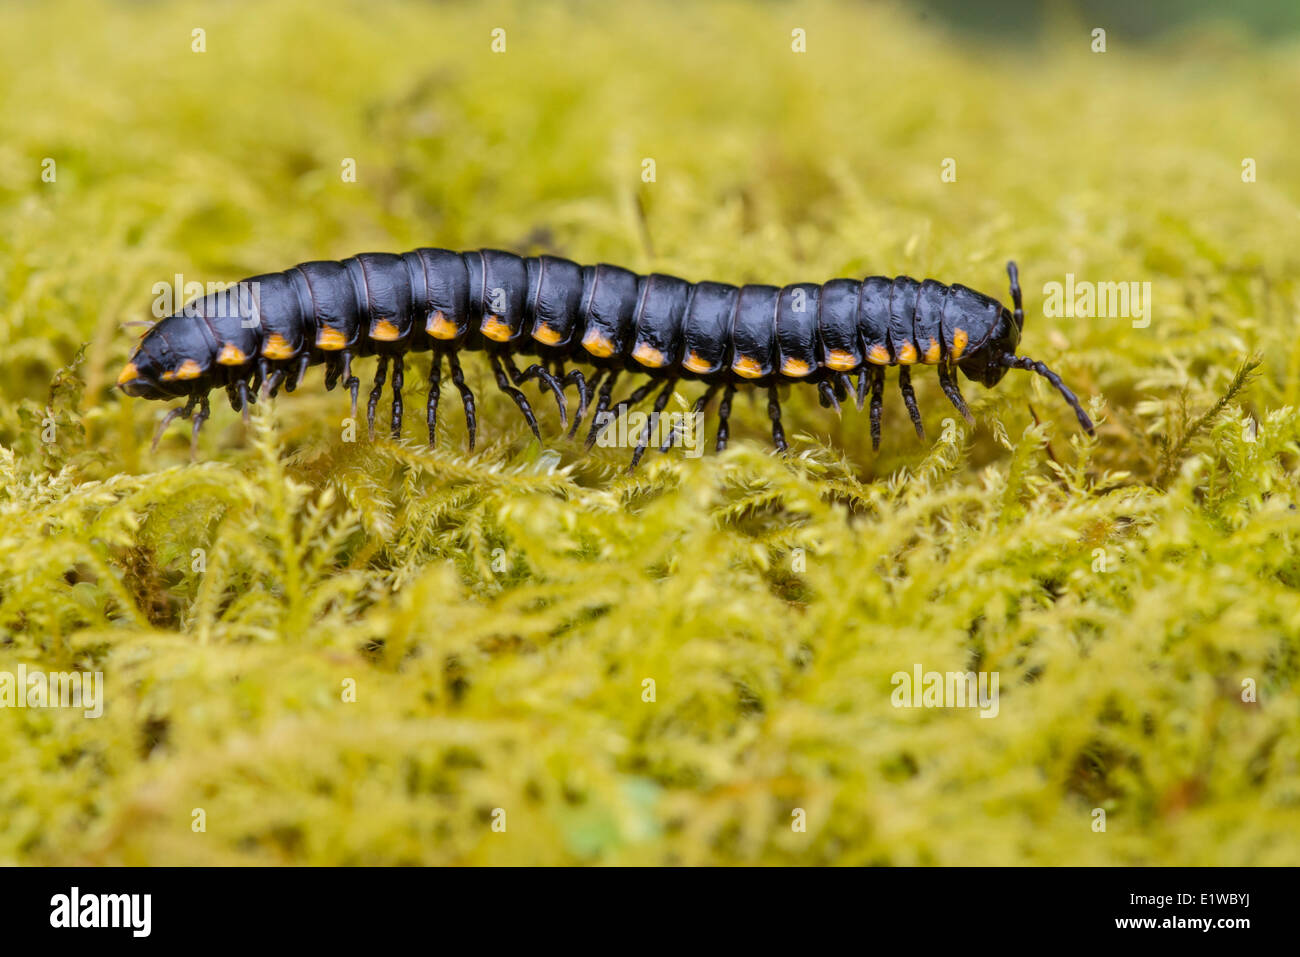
840,335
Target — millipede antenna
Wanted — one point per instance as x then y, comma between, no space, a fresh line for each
1014,273
1033,365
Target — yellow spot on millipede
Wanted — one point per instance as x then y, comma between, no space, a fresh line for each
440,327
795,368
546,335
932,352
959,340
189,369
129,373
277,347
231,355
330,339
598,345
747,367
495,329
840,361
694,363
385,331
907,355
878,355
649,356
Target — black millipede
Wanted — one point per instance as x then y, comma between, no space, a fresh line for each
267,331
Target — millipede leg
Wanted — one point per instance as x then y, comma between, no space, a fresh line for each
503,383
545,381
266,380
860,395
637,395
602,406
576,378
205,410
399,380
724,413
352,382
466,396
826,396
643,439
299,373
172,414
877,403
435,390
272,385
949,385
846,384
841,389
909,400
696,409
244,398
774,413
381,375
333,369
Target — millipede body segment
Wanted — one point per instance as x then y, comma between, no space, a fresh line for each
267,331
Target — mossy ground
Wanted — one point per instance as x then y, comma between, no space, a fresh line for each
1123,588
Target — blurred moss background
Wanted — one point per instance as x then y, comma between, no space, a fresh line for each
495,618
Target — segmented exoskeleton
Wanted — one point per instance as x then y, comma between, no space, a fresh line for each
281,324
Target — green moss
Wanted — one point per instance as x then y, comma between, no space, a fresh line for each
498,614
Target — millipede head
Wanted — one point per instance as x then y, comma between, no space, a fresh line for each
997,353
140,377
996,331
172,360
983,364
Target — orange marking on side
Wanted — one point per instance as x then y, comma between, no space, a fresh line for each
277,347
959,340
907,355
440,327
189,369
231,355
932,353
329,339
878,355
129,373
495,329
694,363
546,335
385,331
795,368
747,367
840,361
649,356
597,344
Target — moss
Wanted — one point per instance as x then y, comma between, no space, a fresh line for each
495,616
